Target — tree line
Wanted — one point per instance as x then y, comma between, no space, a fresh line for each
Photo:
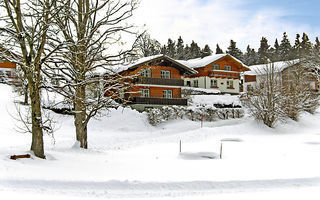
280,51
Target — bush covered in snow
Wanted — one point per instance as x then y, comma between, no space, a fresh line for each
207,113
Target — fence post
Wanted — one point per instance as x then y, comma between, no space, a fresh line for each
221,150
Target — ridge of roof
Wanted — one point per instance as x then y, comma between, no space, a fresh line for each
201,62
279,66
143,60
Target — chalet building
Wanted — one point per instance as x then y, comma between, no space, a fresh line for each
284,69
159,82
221,72
7,72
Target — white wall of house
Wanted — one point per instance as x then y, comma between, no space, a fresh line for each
205,82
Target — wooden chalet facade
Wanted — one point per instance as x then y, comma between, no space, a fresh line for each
158,83
7,72
220,72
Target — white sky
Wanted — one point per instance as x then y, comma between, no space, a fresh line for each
218,21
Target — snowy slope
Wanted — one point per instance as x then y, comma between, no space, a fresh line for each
129,159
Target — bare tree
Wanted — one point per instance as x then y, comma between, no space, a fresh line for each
298,82
91,31
265,100
25,35
146,46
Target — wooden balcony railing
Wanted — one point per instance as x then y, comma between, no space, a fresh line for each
160,81
159,101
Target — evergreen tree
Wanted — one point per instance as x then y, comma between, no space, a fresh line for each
306,46
274,52
206,51
187,53
180,49
297,47
263,51
285,48
155,48
195,50
234,51
317,45
219,50
171,48
250,57
164,50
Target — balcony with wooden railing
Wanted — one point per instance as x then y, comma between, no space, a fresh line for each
159,101
224,74
159,81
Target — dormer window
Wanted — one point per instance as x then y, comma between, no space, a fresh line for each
227,67
165,74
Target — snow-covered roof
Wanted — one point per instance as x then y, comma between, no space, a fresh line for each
226,99
278,66
208,91
201,62
144,60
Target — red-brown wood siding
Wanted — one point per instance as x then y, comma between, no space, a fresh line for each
156,71
156,92
249,78
222,62
7,64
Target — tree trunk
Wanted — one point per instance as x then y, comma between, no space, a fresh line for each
26,95
80,117
37,133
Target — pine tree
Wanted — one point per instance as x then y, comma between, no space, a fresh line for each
250,57
317,45
180,49
187,53
195,50
206,51
164,50
285,48
296,49
171,48
306,46
234,51
219,50
263,51
274,52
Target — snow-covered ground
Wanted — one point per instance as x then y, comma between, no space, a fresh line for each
130,159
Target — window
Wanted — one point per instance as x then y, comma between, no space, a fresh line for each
195,83
227,67
229,84
165,74
8,73
167,94
216,67
214,83
144,93
146,73
188,84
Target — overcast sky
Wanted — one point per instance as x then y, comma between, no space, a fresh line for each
218,21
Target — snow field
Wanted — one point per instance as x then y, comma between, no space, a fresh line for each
130,159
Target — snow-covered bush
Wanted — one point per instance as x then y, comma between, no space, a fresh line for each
207,113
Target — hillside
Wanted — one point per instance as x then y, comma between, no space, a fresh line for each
130,159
